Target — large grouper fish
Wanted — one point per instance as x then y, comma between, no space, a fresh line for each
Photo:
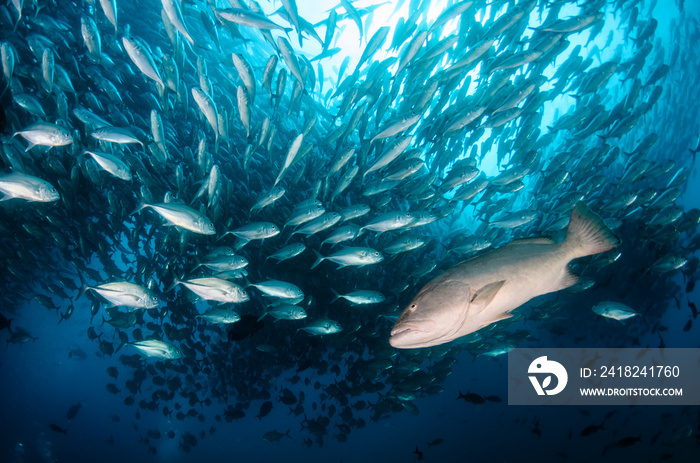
486,288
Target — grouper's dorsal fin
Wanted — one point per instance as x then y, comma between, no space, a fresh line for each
534,240
483,296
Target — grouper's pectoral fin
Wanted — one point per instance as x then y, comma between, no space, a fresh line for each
483,297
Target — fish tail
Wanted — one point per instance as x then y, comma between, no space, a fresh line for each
337,296
176,281
262,316
120,346
588,234
67,315
83,286
172,286
138,209
319,257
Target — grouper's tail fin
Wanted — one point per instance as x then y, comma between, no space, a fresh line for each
588,234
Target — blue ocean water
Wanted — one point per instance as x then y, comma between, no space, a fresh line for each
354,396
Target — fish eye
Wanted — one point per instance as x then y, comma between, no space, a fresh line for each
376,253
413,306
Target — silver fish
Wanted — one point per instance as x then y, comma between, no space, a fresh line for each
157,349
280,289
220,316
115,135
360,297
126,294
45,134
214,289
183,217
614,310
322,327
23,186
111,164
109,7
351,256
142,59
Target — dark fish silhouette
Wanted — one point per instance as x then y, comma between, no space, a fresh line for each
287,397
265,409
588,430
622,443
418,453
437,441
56,428
471,397
537,430
77,353
275,436
5,322
73,411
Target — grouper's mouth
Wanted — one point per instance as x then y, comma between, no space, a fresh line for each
411,334
420,326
